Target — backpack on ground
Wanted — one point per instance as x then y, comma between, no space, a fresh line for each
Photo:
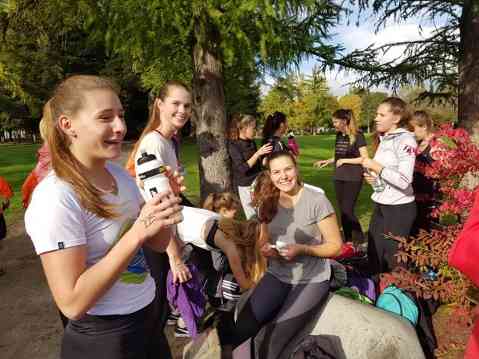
395,300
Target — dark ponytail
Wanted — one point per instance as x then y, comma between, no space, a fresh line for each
273,122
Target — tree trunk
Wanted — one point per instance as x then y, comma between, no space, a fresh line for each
469,66
210,116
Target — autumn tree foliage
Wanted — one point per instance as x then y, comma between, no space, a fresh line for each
428,274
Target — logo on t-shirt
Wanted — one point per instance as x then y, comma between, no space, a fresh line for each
137,269
409,150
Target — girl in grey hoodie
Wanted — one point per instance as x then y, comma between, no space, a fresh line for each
390,173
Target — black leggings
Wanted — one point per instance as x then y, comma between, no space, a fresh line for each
396,220
347,193
285,310
159,266
132,336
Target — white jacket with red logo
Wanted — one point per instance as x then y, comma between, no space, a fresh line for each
397,153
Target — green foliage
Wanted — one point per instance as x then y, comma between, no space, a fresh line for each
354,103
157,37
306,101
44,41
369,104
432,61
242,89
441,112
41,43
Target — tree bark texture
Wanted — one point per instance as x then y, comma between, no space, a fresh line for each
469,66
210,115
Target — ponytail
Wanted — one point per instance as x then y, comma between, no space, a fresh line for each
237,123
351,126
272,124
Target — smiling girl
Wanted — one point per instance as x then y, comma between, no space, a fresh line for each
391,174
88,223
299,234
171,110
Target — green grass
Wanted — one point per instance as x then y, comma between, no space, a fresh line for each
314,148
17,160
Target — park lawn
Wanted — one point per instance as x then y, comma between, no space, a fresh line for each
17,160
313,148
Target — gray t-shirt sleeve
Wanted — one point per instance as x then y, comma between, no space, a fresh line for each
322,206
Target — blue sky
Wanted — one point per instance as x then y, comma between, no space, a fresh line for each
358,37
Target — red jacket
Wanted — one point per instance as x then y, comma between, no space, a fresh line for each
5,189
41,169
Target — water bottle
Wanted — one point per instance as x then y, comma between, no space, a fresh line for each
378,184
152,173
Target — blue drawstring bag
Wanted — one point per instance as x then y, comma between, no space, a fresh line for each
395,300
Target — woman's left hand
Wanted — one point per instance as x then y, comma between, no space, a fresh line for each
340,162
371,164
176,181
291,251
180,272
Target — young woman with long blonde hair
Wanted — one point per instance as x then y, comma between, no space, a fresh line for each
170,111
89,224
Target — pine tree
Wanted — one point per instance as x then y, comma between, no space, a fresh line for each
446,61
198,39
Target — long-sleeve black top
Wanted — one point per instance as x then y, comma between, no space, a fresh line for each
240,152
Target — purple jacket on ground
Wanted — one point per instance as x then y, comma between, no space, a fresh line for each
188,298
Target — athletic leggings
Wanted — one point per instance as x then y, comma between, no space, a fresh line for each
132,336
284,309
159,265
347,193
396,220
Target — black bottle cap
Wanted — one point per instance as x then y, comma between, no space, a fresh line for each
145,158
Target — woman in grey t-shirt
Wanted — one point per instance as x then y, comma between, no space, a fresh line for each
299,233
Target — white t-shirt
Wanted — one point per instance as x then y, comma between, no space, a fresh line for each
55,220
163,148
191,229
